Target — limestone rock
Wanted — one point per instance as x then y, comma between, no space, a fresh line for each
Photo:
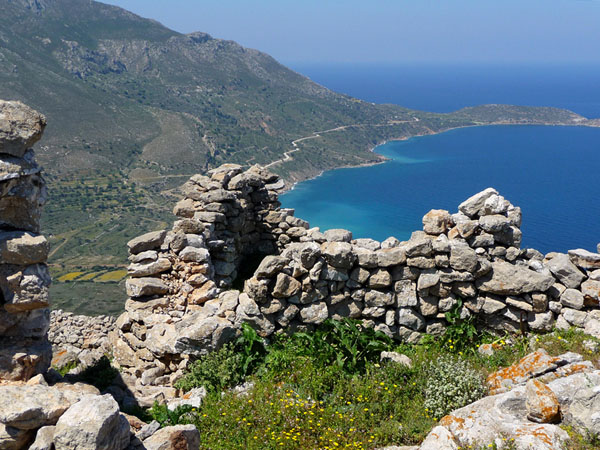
338,235
584,408
475,204
44,439
411,319
437,221
585,259
141,287
270,266
23,248
92,423
572,298
532,365
197,334
390,257
462,257
542,404
179,437
306,252
194,254
511,279
286,286
31,407
149,268
338,254
591,291
148,241
25,290
380,278
315,313
20,127
566,272
192,398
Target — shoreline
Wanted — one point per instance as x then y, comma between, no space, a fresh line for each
384,159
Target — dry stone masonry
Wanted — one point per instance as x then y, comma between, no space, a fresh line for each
182,302
24,277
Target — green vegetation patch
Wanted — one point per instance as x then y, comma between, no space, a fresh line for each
328,389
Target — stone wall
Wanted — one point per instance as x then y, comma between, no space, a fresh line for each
24,277
181,303
78,338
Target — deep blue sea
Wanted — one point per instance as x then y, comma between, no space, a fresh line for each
553,173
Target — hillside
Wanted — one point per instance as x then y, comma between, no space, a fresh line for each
134,108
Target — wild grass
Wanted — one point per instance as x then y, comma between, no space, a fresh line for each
328,389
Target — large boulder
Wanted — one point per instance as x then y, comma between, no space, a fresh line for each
31,407
93,423
20,127
566,272
512,279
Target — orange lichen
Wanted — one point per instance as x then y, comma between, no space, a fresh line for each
450,420
525,368
538,432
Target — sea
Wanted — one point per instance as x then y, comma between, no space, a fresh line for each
551,172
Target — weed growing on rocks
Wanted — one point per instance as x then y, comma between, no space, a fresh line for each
327,389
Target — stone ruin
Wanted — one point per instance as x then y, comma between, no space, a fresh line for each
24,278
232,232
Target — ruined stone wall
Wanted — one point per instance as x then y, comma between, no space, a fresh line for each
181,303
24,277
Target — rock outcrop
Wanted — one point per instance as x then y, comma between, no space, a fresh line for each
24,277
181,303
540,394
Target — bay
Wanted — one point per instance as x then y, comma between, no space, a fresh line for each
551,172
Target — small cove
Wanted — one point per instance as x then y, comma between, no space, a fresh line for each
550,172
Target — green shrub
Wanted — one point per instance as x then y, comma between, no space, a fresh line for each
346,343
215,371
460,333
451,384
227,366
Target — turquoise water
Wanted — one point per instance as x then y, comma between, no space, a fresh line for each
553,173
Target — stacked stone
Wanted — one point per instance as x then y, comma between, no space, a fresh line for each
78,337
470,262
175,274
24,277
576,294
229,204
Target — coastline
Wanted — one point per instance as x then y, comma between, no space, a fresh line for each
590,123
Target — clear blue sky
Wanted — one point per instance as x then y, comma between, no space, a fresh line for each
301,31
